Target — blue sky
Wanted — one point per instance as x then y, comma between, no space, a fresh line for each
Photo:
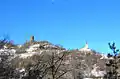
66,22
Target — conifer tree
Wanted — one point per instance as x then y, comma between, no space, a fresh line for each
111,65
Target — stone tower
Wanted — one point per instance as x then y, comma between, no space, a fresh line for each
32,39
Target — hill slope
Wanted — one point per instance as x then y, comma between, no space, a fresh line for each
77,63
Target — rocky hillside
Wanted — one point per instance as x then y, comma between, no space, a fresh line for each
40,54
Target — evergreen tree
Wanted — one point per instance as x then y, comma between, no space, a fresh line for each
111,64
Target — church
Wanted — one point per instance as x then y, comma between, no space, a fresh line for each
85,48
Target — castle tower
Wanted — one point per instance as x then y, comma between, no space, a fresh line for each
32,39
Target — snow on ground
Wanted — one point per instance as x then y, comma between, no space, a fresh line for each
29,54
103,56
33,47
25,55
96,72
22,70
7,51
47,46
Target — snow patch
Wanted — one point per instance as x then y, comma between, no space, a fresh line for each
33,47
103,56
29,54
7,51
96,72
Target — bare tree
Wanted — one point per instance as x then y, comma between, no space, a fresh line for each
6,69
47,66
56,62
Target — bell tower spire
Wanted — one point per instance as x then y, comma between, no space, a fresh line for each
86,45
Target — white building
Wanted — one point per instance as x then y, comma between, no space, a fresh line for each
85,48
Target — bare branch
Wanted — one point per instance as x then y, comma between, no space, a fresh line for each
61,75
58,67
